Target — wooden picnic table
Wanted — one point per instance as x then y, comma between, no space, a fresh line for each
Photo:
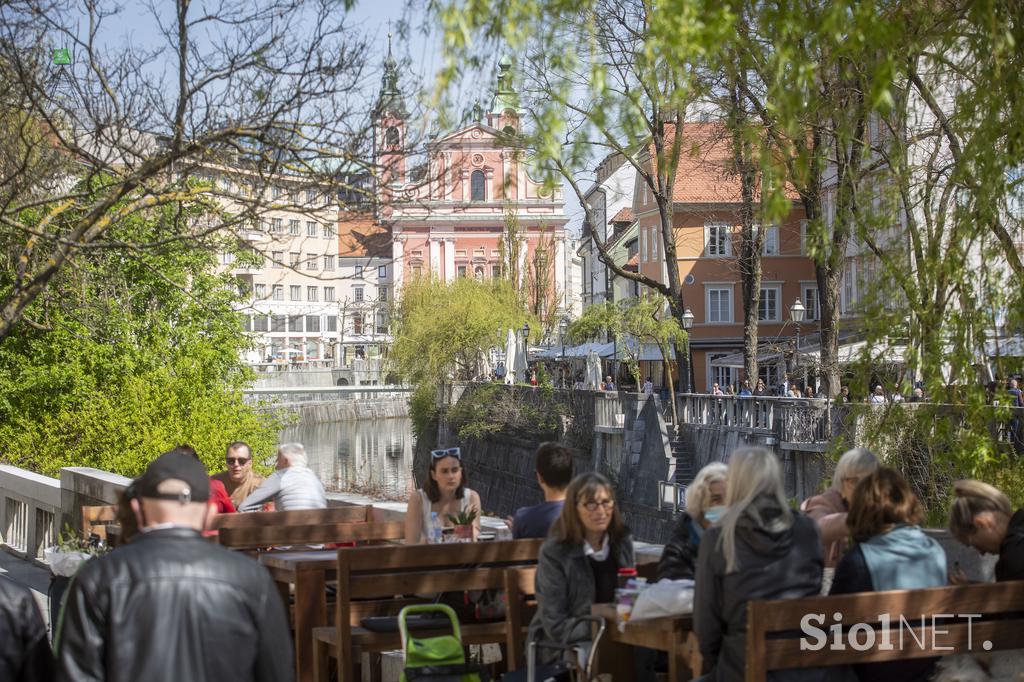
671,634
309,571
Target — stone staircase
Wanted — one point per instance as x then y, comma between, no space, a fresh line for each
684,460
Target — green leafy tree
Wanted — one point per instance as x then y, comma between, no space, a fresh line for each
442,331
130,354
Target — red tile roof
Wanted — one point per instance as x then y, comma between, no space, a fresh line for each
625,215
703,174
360,235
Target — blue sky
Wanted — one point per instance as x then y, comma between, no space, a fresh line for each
419,51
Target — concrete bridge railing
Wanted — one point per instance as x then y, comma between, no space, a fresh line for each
35,508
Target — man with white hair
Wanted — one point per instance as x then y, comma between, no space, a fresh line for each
292,486
171,605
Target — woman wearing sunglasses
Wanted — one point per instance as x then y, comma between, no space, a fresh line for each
579,562
444,492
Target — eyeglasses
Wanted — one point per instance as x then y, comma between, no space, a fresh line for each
237,461
603,504
447,452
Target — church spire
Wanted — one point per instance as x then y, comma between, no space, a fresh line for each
390,99
505,95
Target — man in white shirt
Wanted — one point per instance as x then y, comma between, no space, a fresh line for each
292,486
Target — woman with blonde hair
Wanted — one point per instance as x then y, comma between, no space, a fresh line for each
829,508
761,549
983,518
705,504
579,562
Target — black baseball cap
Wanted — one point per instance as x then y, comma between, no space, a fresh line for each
178,466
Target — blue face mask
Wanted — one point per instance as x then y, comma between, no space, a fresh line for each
714,514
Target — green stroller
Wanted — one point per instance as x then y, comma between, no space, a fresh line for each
436,659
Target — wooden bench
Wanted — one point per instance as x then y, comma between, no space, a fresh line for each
933,622
376,573
260,537
298,517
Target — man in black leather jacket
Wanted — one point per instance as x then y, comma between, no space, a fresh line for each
171,605
25,654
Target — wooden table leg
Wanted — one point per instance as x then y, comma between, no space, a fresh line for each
310,612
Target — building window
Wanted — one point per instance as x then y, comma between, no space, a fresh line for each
293,258
227,258
357,294
803,237
461,270
382,293
477,190
392,138
359,272
260,291
768,305
277,192
332,323
719,304
295,323
259,323
357,323
809,297
279,324
311,229
495,272
328,262
277,258
277,225
382,272
329,294
311,294
417,271
278,292
770,247
311,197
478,273
294,228
850,285
329,231
313,324
382,323
716,240
312,260
295,292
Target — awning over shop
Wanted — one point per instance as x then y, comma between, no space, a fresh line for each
849,352
603,350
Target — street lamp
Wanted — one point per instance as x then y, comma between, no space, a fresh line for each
688,325
796,313
563,324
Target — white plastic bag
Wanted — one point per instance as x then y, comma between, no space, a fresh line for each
664,598
64,564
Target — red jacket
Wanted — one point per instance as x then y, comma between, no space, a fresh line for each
219,495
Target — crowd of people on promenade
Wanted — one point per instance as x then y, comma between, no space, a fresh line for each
168,604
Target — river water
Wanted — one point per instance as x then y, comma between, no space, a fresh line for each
370,456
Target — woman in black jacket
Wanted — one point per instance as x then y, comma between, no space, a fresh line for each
761,549
705,504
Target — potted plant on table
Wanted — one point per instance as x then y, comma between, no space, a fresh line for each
64,559
463,522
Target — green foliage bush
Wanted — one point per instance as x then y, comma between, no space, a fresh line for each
495,408
131,353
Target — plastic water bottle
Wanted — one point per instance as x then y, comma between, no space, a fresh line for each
435,529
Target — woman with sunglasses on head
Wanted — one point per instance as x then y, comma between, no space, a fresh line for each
444,492
579,562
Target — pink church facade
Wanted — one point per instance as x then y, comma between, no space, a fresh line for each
448,215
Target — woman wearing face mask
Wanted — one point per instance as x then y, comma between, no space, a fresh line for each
983,518
705,499
445,492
